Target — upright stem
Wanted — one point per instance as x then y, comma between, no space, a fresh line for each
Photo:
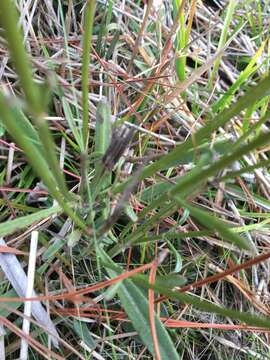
87,39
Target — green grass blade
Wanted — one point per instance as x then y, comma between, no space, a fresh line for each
135,305
203,305
103,127
87,39
175,157
214,224
245,170
70,119
34,98
9,22
244,75
18,127
12,122
224,33
181,41
9,227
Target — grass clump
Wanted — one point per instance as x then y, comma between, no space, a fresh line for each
135,140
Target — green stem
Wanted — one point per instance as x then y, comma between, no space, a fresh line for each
9,20
13,124
87,39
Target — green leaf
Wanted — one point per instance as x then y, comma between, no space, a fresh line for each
89,12
53,249
237,192
176,156
11,226
204,305
135,305
102,142
214,224
131,213
9,20
194,180
244,75
170,281
20,130
113,44
70,119
82,330
74,237
12,305
103,127
224,34
178,258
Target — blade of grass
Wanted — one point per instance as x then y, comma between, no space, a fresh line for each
245,169
224,34
13,125
9,20
136,307
203,305
89,12
192,182
244,75
173,158
70,119
214,224
11,226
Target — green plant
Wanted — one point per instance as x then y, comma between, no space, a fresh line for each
134,194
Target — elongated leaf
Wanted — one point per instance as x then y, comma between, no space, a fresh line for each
53,249
102,142
28,129
87,39
113,44
18,132
225,31
237,192
244,75
175,157
9,20
103,127
214,224
12,305
203,305
178,258
170,235
11,226
170,281
246,169
69,116
21,131
136,306
194,180
252,95
82,330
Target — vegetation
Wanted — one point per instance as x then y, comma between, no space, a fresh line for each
134,179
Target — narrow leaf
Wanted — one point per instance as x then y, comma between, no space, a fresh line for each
203,305
135,305
214,224
11,226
